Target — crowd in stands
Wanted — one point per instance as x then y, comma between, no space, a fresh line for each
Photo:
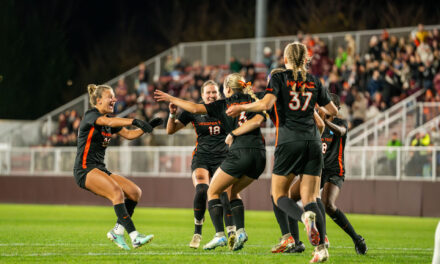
368,83
67,129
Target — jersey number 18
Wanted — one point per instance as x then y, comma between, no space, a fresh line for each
214,130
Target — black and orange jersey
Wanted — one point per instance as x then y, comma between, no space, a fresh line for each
294,109
210,135
92,140
217,109
333,148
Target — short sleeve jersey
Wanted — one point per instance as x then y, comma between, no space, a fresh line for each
210,135
217,109
333,148
294,109
92,140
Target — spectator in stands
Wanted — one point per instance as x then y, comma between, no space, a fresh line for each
169,65
141,82
359,109
341,57
421,34
121,92
234,65
391,155
268,58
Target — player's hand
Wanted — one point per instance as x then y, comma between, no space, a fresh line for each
321,113
173,108
161,96
234,110
146,127
229,139
156,122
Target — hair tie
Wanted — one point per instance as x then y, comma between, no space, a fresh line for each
243,84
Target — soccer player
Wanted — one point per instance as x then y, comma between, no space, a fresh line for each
209,153
90,172
333,175
244,162
294,94
289,241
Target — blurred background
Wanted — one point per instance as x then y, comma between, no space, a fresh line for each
381,58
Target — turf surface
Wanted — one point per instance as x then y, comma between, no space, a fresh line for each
77,234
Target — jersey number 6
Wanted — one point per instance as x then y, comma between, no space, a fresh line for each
295,103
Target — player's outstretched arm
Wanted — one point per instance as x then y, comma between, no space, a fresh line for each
113,121
130,133
173,124
338,130
185,105
319,122
259,106
251,124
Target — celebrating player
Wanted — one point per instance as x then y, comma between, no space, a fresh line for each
90,172
333,174
244,162
298,147
209,153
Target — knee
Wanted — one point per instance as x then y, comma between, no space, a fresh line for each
330,207
213,193
137,194
117,195
235,196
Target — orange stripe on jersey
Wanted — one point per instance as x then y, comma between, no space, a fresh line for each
341,168
277,121
86,149
269,89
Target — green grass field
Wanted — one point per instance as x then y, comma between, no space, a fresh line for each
77,234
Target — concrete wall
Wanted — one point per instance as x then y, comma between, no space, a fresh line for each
413,198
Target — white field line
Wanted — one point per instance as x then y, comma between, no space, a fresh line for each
171,246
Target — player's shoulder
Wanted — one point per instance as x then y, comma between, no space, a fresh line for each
340,121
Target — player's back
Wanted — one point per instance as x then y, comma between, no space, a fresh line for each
294,108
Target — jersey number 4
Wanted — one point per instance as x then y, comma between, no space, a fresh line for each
214,130
295,103
242,119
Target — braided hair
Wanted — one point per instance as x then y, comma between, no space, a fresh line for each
297,55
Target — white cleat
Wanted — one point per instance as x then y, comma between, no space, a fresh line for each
195,241
217,241
320,254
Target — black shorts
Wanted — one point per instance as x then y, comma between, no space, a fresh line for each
246,161
299,157
81,174
332,177
210,165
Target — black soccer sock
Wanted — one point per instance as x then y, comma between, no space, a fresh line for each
227,212
130,205
322,209
200,198
281,218
290,208
237,208
124,218
293,228
216,212
313,206
341,220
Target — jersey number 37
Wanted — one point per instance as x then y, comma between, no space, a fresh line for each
295,103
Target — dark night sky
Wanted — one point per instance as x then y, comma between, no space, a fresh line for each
46,43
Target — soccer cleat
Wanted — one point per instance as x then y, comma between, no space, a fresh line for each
119,240
240,238
298,248
308,218
141,240
217,241
361,246
320,254
231,239
326,242
284,245
195,241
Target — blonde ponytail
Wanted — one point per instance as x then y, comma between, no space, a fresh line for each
95,92
297,56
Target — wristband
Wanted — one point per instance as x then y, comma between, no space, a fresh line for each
232,134
173,116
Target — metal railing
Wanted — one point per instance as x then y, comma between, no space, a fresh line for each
387,163
435,122
209,53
